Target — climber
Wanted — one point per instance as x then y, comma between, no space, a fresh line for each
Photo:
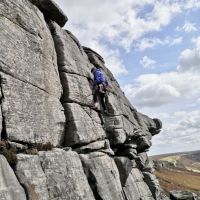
100,88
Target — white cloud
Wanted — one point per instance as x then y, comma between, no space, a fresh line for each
187,27
180,130
111,57
146,43
191,4
147,62
176,41
189,59
119,24
153,90
136,27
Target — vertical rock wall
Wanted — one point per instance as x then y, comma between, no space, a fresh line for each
29,79
46,96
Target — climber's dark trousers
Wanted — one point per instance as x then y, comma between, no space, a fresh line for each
102,99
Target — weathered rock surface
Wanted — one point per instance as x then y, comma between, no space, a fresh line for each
10,188
83,125
46,96
103,176
32,177
30,82
135,188
182,195
153,184
124,166
51,11
56,174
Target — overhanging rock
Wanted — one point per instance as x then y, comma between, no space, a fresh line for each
51,11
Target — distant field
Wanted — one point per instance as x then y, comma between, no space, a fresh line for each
179,179
184,176
187,160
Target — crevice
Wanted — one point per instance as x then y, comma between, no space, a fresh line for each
92,181
23,185
124,194
93,185
73,73
4,134
25,189
76,146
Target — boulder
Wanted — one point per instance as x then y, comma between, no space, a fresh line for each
144,143
76,89
182,195
153,184
26,112
51,11
10,187
65,175
124,166
83,126
32,177
142,160
93,56
103,176
94,146
71,57
135,188
54,175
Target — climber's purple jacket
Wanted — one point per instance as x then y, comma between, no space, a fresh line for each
99,78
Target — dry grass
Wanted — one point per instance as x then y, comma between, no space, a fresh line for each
8,153
179,179
35,148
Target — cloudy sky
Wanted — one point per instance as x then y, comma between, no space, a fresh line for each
153,49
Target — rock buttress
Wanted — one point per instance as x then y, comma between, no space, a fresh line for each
30,84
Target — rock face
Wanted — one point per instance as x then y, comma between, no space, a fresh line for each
46,97
30,84
9,185
182,195
56,174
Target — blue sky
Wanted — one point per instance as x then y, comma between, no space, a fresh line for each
153,49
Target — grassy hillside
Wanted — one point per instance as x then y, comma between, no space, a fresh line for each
184,176
179,180
187,160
